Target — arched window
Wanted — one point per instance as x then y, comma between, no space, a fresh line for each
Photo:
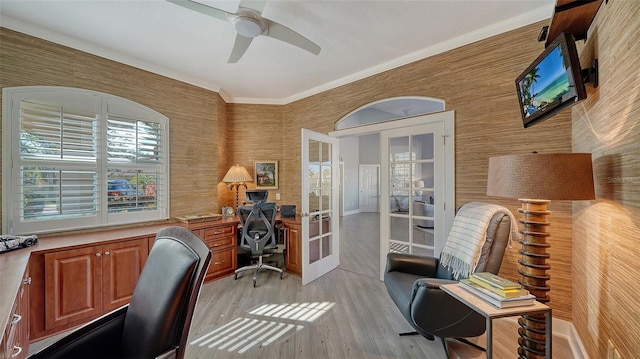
75,158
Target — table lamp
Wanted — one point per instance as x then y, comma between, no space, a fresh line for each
236,177
535,179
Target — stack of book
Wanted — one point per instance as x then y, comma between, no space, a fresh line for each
498,291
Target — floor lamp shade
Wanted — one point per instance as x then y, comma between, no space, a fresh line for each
535,179
559,176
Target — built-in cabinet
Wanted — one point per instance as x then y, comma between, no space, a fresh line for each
221,237
77,283
293,255
84,283
15,341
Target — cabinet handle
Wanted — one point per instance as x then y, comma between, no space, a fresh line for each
98,254
219,244
17,350
27,280
218,232
107,253
216,263
16,319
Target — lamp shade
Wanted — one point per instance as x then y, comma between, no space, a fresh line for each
237,174
560,176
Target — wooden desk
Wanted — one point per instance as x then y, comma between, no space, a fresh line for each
490,312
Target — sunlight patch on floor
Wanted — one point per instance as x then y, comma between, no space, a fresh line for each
242,334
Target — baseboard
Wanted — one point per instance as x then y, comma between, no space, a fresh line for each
565,329
348,213
577,348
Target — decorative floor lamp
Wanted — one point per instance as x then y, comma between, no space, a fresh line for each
535,179
236,177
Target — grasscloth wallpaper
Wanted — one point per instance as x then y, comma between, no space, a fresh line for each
606,232
197,116
593,275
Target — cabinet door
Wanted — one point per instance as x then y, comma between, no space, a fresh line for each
294,247
73,286
122,263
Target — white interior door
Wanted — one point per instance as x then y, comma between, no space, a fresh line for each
369,185
414,190
320,212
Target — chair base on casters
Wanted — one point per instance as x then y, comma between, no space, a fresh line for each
257,267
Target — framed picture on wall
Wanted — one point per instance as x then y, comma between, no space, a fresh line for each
266,174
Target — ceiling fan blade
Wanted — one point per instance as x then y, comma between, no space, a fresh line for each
203,9
257,5
239,48
283,33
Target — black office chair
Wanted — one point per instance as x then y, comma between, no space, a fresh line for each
414,281
156,322
258,236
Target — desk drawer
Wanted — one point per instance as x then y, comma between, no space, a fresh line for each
217,232
221,243
222,262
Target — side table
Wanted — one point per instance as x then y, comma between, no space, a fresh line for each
490,312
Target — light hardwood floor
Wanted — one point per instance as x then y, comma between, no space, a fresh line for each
344,314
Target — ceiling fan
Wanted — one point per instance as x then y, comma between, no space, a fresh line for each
249,23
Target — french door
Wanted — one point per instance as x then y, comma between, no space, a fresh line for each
320,205
413,182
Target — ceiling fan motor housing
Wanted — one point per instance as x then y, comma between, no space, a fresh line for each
247,22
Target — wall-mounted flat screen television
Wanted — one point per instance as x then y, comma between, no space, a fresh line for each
552,82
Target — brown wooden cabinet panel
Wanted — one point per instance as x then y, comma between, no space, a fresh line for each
223,262
221,237
83,283
73,286
15,341
293,258
122,264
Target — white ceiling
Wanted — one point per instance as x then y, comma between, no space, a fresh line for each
358,38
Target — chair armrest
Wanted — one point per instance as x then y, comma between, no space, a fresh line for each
411,263
100,338
436,312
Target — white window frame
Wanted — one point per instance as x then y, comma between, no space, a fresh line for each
104,105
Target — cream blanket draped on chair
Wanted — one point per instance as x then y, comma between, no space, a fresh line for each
468,234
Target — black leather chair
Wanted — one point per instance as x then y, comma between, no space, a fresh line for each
156,322
413,282
258,236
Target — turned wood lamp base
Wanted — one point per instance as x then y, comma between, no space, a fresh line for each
533,274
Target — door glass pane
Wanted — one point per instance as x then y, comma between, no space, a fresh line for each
314,152
399,175
314,227
399,149
399,201
314,250
428,252
422,146
398,247
423,175
326,200
326,246
399,229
